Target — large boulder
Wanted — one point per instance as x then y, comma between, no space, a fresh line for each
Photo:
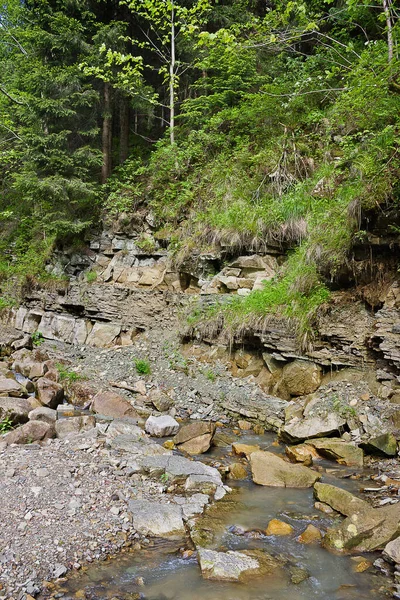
43,413
270,469
383,445
340,500
33,431
301,429
10,387
16,409
161,426
301,377
235,566
155,519
195,438
111,404
49,393
365,531
345,453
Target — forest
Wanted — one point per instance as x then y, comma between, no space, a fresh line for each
248,122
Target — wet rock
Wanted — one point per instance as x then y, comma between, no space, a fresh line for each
301,377
365,531
302,453
222,440
340,500
10,387
155,519
345,453
195,438
237,471
111,404
310,535
163,426
392,550
277,527
385,444
270,469
298,575
244,449
244,425
16,409
33,431
42,413
49,393
234,566
361,564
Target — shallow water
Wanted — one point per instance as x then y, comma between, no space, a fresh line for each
167,576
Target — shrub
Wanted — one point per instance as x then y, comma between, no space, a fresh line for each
142,366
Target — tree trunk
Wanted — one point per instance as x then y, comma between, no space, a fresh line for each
124,122
106,134
389,27
172,80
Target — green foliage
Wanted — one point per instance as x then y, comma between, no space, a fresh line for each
142,366
6,425
91,276
37,338
67,375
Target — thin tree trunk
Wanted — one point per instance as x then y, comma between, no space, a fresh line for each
124,115
389,27
172,79
106,134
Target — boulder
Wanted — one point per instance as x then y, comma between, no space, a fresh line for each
340,500
277,527
244,449
10,387
195,438
15,409
345,453
366,531
301,429
392,551
103,335
155,519
235,566
270,469
161,426
310,535
302,453
74,425
301,377
161,401
111,404
385,444
49,393
42,413
33,431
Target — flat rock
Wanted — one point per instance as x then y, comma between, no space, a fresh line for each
345,453
366,531
197,445
161,426
244,449
235,566
195,438
43,413
73,425
33,431
301,429
155,519
270,469
111,404
340,500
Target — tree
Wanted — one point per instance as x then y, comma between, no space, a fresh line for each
164,22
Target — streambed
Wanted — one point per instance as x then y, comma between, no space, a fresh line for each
164,571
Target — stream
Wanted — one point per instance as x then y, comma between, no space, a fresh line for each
161,571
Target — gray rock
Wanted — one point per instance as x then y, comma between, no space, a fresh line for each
74,425
33,431
298,429
392,550
155,519
42,413
10,387
16,409
234,566
161,426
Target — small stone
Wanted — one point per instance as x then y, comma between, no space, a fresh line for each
237,471
277,527
114,510
298,575
244,425
361,564
169,445
42,472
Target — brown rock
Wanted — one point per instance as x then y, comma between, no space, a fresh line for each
111,404
33,431
258,429
277,527
49,392
244,425
16,409
237,471
361,564
188,432
270,469
310,535
197,445
10,387
301,453
301,377
244,449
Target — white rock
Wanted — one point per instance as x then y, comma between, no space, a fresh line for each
161,426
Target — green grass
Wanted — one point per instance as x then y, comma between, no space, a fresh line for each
91,276
142,366
37,338
67,375
6,425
